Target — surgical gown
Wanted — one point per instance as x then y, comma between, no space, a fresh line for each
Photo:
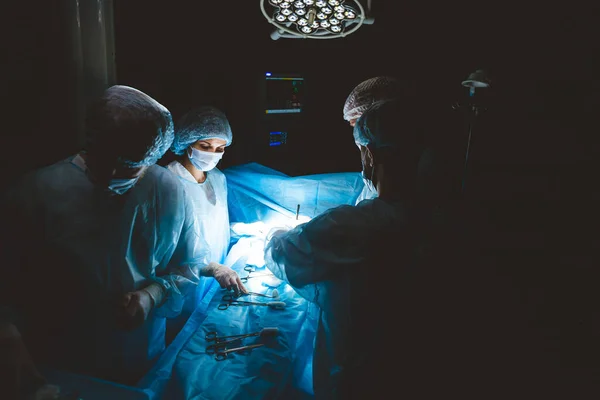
211,215
79,249
336,260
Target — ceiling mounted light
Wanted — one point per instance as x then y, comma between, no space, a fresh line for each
315,19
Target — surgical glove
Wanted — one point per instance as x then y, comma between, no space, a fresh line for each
135,308
48,392
18,373
227,278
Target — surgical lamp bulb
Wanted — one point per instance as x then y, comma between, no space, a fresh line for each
314,15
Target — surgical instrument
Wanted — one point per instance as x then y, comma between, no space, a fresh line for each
245,279
231,297
222,342
222,355
213,336
276,305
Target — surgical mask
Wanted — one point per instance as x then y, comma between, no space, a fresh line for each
120,186
368,177
204,160
368,183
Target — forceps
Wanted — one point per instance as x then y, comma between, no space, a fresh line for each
222,341
222,355
245,279
233,297
277,305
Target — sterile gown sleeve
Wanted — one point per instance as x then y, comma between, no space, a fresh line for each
164,246
191,254
338,240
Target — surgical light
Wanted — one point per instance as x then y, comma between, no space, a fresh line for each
315,19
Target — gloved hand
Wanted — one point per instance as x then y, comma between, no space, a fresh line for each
47,392
227,278
18,373
136,306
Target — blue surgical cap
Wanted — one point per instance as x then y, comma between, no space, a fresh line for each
128,126
393,124
199,124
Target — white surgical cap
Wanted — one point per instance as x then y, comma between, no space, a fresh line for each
369,93
130,126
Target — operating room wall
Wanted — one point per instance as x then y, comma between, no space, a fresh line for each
532,139
531,146
37,86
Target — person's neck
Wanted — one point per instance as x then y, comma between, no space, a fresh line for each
199,176
390,191
388,187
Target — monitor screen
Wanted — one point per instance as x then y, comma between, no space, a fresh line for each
284,94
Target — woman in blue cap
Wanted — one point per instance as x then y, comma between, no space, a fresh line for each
201,137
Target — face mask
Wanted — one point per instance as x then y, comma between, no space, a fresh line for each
368,182
204,160
368,176
120,186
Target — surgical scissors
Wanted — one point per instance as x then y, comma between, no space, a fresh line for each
223,341
233,297
214,336
277,305
245,279
222,355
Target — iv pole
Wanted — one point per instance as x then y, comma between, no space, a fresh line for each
476,80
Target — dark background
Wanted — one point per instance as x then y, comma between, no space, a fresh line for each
533,180
534,148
